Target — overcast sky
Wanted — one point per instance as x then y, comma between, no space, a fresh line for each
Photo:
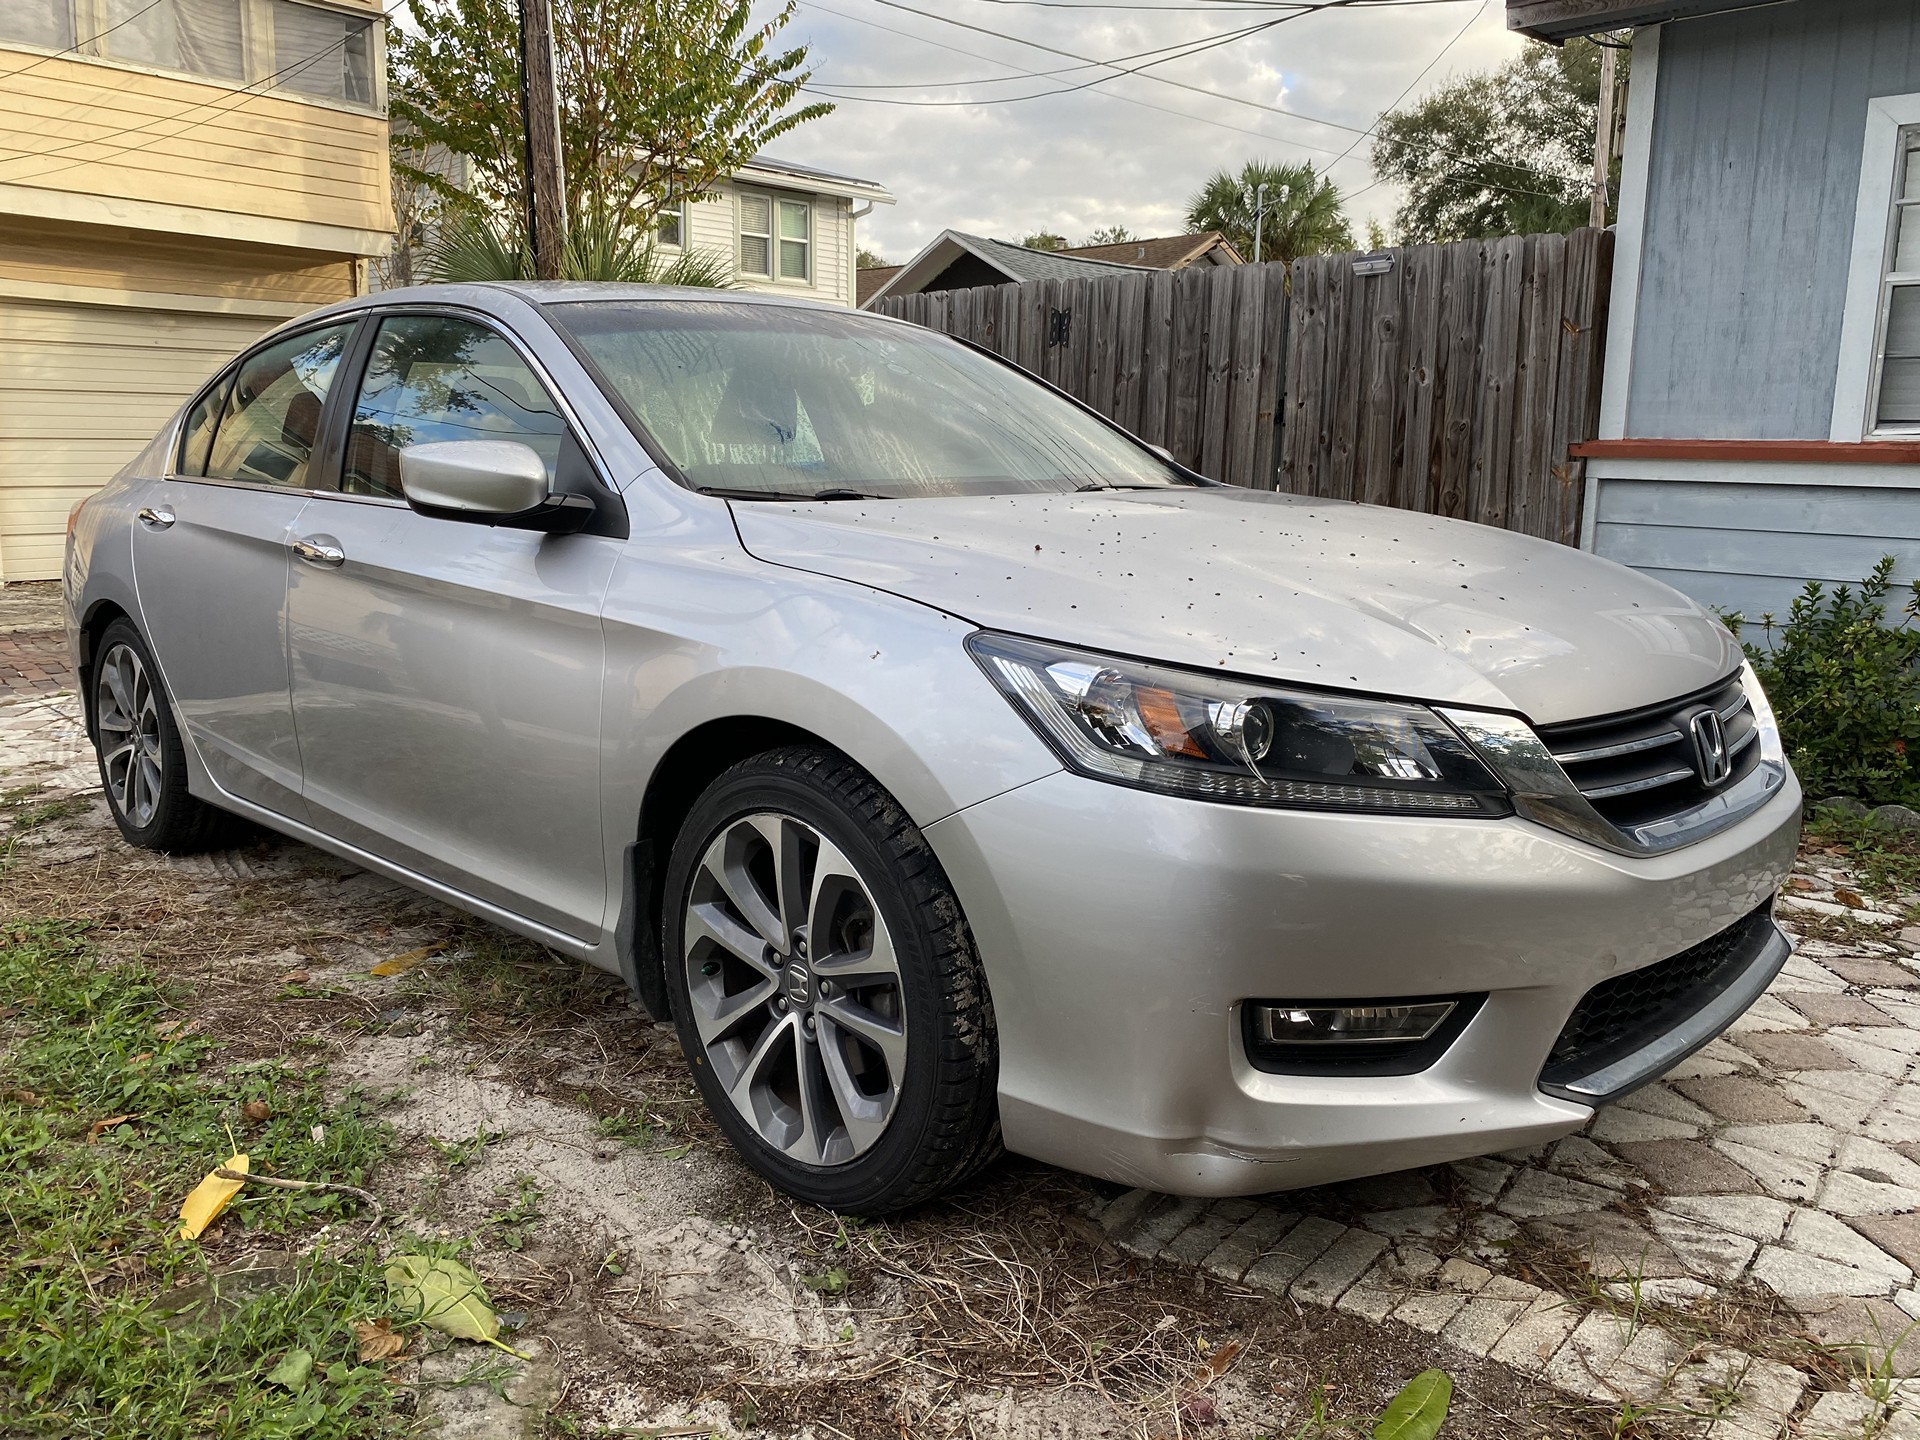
1130,150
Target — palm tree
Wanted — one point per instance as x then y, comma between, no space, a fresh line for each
1301,217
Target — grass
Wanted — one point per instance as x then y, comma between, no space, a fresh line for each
1886,861
99,1335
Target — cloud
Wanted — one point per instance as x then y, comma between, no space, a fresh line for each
1128,151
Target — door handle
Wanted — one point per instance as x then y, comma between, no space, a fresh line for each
156,517
320,550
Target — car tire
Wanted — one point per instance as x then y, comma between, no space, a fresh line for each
143,765
858,1071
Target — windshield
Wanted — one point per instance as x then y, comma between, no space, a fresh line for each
760,401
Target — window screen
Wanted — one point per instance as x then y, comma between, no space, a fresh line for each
756,235
1899,402
200,37
670,226
38,22
433,378
322,52
271,420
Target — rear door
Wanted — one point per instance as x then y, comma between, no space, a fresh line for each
210,555
446,675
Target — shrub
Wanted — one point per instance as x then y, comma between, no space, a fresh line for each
1842,680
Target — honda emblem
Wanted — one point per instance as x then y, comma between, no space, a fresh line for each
1711,762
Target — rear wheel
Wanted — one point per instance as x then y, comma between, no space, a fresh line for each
826,988
143,765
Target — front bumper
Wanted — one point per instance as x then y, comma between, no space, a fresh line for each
1121,931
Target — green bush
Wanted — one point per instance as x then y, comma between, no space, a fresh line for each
1842,680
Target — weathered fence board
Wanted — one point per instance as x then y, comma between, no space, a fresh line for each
1190,359
1455,383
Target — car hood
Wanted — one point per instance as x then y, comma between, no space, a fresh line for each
1283,587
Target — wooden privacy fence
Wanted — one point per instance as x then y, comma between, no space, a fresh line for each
1188,359
1453,384
1450,379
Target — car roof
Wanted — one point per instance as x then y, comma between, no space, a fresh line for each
563,292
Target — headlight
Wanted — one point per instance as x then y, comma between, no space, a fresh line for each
1238,741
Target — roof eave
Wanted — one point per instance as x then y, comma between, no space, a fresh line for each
841,186
1558,21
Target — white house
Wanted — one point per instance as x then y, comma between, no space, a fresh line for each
786,228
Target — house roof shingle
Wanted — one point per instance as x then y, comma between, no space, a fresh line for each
1168,252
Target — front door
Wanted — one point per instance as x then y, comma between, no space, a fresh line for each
210,562
446,675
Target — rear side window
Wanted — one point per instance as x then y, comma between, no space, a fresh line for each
271,419
432,377
196,436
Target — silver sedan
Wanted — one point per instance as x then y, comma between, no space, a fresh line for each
955,770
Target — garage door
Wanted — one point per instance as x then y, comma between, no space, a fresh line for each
82,389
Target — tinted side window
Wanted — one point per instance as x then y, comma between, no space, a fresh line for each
196,436
431,378
271,419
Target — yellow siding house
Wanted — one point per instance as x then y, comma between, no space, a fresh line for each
176,177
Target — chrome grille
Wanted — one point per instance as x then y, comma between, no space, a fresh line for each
1639,766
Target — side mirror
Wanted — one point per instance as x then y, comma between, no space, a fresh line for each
488,482
1162,451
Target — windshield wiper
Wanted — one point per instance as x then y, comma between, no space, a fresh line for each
748,492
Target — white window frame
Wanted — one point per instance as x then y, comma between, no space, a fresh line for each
1856,396
686,238
780,238
775,199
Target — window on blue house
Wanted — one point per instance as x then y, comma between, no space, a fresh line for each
1898,403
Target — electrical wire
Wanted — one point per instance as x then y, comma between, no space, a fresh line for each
246,94
1472,20
83,42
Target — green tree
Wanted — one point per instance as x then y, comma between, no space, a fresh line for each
1112,235
1506,152
866,259
658,98
1045,240
1301,214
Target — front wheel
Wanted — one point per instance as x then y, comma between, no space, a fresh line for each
826,988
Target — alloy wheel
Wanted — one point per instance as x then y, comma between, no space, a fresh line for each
128,717
795,989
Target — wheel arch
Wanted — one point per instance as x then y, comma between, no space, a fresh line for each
93,624
685,770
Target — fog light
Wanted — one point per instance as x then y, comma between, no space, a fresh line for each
1357,1037
1310,1024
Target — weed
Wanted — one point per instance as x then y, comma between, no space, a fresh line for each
513,1223
90,1229
1885,861
35,816
459,1154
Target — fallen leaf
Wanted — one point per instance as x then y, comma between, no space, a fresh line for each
100,1127
1199,1410
257,1110
1217,1365
1850,898
175,1029
400,963
23,1097
295,977
1418,1411
377,1340
208,1199
293,1370
444,1294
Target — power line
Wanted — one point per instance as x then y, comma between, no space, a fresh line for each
1472,20
84,41
247,94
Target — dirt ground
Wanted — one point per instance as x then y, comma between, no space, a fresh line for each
659,1285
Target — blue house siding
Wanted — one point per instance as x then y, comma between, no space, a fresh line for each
1755,168
1751,547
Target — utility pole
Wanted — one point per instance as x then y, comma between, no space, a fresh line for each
1259,218
1603,137
540,110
